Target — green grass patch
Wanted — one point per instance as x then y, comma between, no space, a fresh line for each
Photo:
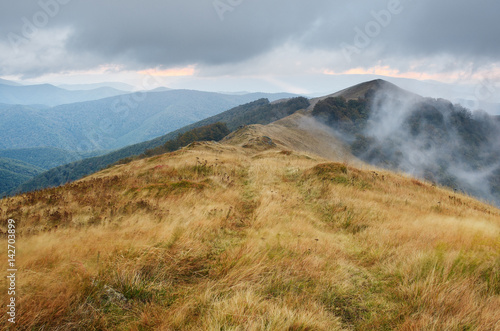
179,187
340,216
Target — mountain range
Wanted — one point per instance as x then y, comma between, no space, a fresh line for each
259,111
9,83
375,122
114,122
116,85
72,132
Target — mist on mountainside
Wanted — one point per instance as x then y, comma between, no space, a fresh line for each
427,138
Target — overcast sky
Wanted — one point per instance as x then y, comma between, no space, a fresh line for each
275,43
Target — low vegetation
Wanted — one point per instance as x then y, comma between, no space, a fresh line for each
218,237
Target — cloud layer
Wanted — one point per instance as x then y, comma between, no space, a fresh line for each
54,36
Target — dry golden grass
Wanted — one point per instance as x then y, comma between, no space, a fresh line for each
219,237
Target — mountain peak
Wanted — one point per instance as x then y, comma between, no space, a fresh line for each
360,90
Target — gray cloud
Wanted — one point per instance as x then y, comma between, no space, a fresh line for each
155,33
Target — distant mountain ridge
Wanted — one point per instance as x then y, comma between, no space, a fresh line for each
112,123
260,111
8,82
50,95
82,87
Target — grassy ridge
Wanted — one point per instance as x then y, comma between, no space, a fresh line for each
219,237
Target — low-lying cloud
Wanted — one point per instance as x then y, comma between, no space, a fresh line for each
435,140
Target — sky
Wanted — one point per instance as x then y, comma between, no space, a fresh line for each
255,45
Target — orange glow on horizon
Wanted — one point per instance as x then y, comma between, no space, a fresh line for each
448,77
173,72
389,72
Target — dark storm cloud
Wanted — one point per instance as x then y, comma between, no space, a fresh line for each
143,34
420,28
170,33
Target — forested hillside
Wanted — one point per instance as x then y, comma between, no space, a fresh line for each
46,157
21,165
13,173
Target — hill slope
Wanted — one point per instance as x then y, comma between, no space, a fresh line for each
218,236
295,132
360,90
8,82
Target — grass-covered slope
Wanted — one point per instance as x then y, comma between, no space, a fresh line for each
222,237
257,112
